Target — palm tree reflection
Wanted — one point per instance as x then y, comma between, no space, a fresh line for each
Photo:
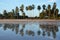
21,32
49,28
46,29
17,28
0,25
48,33
30,32
23,26
12,27
39,32
43,33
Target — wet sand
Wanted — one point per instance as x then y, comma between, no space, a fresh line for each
18,20
27,20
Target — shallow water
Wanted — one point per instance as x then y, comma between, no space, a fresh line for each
30,31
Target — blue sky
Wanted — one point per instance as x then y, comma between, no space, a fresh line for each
11,4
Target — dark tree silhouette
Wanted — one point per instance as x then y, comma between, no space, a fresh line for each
33,6
1,16
22,8
38,7
13,11
53,9
5,14
44,6
17,12
56,13
49,11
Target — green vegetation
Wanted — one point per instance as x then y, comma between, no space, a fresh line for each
48,12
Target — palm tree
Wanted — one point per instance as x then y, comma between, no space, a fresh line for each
39,9
5,14
22,10
44,10
23,15
49,10
10,15
1,16
13,11
30,7
54,5
56,13
41,15
17,12
53,9
44,6
33,7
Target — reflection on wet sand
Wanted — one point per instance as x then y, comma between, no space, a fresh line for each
0,25
22,32
38,32
29,32
47,29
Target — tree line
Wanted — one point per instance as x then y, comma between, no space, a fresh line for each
48,12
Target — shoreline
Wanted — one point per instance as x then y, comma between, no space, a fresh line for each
22,20
17,21
29,20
